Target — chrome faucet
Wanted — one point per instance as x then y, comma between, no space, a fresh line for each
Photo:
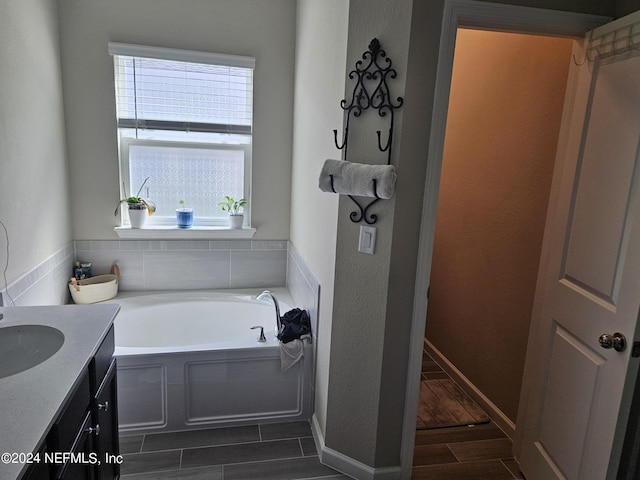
265,294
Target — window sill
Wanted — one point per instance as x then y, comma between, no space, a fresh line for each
175,233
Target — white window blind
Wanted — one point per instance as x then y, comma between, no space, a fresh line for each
184,120
173,94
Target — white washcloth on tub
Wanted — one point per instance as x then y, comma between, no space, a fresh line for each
357,179
291,353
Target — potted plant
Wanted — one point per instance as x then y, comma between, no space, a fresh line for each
184,216
138,207
233,206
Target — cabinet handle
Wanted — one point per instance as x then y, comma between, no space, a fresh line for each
95,430
103,406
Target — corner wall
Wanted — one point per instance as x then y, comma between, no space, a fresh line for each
34,189
319,79
361,364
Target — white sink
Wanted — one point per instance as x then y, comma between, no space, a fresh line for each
23,347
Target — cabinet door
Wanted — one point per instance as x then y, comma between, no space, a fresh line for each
106,414
81,465
39,470
65,429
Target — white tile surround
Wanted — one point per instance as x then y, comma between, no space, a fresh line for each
189,264
305,291
45,284
173,265
303,285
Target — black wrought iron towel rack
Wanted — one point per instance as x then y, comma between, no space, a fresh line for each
371,90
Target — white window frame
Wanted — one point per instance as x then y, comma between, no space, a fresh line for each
204,224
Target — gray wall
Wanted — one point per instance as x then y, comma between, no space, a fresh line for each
34,196
265,30
357,371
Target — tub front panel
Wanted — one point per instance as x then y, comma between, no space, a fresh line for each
142,396
222,391
180,391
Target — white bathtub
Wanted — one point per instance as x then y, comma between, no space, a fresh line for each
190,359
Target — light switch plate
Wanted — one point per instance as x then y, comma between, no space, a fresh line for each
367,241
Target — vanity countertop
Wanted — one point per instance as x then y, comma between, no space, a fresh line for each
30,401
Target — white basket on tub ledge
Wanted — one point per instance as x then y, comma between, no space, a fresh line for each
95,289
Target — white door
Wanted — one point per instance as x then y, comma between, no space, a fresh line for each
572,414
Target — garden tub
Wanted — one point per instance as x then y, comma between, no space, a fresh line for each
190,359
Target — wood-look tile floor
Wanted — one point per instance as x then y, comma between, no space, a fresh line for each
444,404
282,451
480,452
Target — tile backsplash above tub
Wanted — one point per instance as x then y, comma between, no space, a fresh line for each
189,264
44,284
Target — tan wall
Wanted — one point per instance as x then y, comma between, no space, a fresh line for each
502,129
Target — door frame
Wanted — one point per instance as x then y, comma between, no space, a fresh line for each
480,15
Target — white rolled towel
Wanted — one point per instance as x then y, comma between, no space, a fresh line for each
357,179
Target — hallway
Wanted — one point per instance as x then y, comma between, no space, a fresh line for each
461,453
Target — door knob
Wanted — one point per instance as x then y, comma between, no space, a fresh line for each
615,341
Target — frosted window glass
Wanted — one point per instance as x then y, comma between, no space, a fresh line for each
199,176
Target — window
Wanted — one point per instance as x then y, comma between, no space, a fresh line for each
185,121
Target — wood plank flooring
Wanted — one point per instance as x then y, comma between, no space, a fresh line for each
444,404
476,452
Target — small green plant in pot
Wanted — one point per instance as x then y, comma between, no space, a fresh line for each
184,216
139,208
233,206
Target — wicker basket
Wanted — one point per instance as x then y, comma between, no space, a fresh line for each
95,289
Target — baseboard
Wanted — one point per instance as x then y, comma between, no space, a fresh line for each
498,416
347,465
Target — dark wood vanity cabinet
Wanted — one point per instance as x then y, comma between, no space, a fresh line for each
38,471
85,435
81,467
105,411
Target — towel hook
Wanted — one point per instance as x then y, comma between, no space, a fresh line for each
362,213
371,90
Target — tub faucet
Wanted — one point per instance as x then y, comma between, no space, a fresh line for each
265,294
